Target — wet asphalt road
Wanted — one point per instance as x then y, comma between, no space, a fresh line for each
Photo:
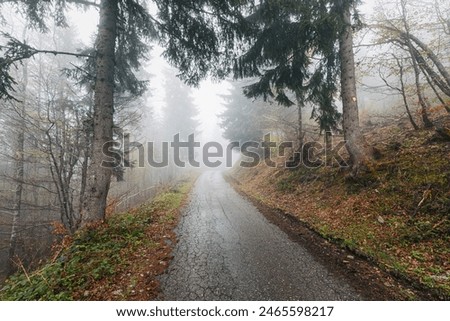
228,250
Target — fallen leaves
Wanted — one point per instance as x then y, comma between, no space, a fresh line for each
381,219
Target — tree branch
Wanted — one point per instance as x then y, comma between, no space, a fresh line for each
82,2
85,3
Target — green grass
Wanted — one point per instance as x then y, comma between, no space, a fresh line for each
94,254
379,212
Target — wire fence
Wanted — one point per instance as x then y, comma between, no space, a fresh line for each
136,199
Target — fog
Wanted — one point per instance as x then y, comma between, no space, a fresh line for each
48,122
373,97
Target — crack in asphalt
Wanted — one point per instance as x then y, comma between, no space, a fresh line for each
228,250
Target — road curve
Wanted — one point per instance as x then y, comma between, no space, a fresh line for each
228,250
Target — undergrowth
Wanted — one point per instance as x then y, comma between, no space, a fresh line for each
397,213
94,254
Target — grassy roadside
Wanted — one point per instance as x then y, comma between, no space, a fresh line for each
397,215
117,260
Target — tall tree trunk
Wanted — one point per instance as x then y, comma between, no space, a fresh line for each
300,134
19,163
428,70
355,143
433,87
426,121
440,78
423,105
403,93
99,177
86,155
432,56
328,140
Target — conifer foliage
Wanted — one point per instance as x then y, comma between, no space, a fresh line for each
298,46
306,47
199,37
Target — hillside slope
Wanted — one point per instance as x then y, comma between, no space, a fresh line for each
117,260
396,215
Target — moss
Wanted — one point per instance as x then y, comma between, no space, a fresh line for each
397,212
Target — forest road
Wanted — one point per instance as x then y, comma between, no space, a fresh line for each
228,250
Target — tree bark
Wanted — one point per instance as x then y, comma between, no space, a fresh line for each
99,177
433,87
328,140
432,56
426,121
19,164
300,134
403,93
355,143
408,38
428,70
423,105
86,155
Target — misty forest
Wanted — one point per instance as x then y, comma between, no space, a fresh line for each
225,150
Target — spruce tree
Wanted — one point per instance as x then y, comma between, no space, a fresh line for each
306,47
241,120
285,40
179,112
199,37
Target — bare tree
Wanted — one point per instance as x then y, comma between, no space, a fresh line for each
426,58
402,91
424,112
19,160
